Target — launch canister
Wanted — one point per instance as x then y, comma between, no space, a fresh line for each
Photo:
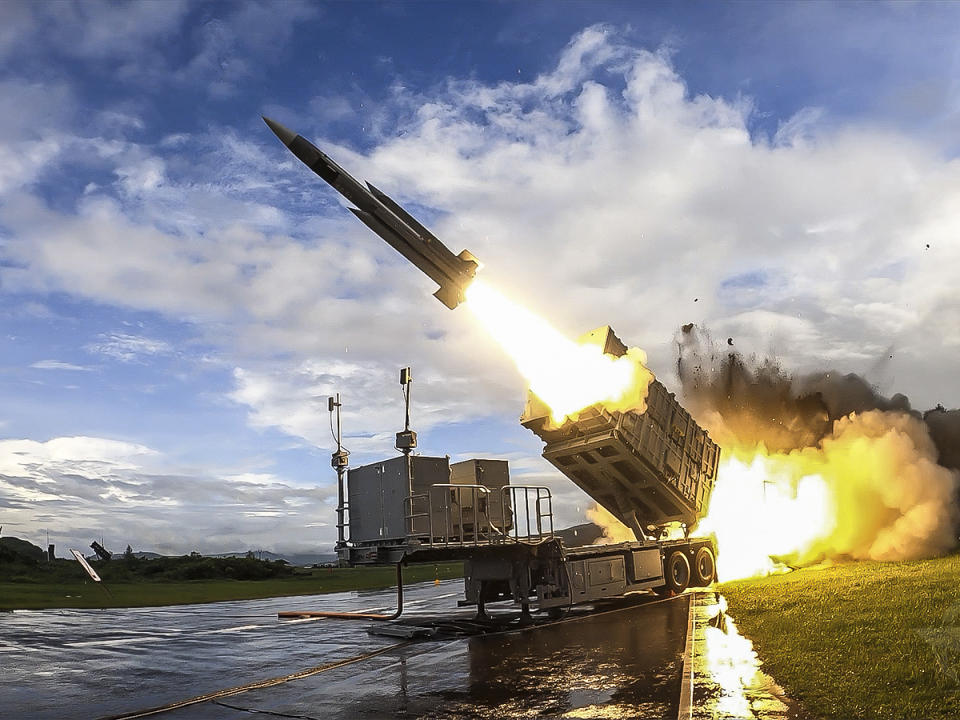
453,273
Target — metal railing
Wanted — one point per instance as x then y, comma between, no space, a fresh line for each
455,497
411,516
542,497
463,510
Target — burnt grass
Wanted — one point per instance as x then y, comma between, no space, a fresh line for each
860,639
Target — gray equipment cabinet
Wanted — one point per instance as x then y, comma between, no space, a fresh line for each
493,475
378,495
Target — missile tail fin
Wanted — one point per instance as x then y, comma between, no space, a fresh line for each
469,257
449,296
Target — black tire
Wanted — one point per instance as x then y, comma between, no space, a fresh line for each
704,567
677,572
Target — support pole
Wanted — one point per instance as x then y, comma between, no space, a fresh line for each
339,460
407,438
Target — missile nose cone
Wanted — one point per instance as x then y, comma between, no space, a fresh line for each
286,136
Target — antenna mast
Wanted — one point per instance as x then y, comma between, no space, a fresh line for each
407,438
339,460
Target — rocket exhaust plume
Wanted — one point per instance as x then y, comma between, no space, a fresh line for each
613,531
819,467
566,375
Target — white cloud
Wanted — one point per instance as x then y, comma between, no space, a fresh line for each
57,365
600,192
142,177
128,348
226,44
80,488
294,399
93,30
131,40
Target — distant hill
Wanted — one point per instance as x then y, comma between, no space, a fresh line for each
13,548
578,535
297,559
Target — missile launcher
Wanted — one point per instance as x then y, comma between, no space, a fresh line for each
648,469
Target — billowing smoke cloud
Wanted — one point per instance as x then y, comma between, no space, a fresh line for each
888,472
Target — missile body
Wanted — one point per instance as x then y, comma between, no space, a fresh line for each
453,273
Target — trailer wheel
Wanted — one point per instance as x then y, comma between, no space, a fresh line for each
678,572
704,567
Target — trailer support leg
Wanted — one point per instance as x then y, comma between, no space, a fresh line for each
399,611
525,617
481,609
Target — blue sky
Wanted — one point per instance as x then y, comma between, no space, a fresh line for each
178,295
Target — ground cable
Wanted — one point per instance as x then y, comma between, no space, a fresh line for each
259,684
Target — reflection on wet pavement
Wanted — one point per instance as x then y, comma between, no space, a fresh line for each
728,682
621,664
88,663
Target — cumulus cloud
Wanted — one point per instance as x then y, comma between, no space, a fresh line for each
648,197
640,195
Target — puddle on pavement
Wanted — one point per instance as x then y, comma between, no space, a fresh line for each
624,664
731,661
728,681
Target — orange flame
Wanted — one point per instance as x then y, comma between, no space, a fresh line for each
566,375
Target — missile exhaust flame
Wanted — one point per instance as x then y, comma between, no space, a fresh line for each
566,375
759,512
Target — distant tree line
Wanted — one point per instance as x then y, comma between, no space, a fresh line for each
21,561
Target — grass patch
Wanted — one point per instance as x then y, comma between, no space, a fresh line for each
76,593
860,640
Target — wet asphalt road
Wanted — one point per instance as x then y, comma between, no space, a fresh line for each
88,663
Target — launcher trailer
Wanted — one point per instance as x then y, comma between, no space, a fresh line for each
652,470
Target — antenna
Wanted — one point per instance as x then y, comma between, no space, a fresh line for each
407,438
339,460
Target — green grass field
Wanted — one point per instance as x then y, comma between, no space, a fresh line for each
860,640
85,594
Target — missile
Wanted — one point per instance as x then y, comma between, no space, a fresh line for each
453,273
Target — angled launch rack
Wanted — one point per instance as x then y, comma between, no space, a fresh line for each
648,468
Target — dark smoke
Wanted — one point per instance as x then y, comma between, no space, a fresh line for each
760,402
944,426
